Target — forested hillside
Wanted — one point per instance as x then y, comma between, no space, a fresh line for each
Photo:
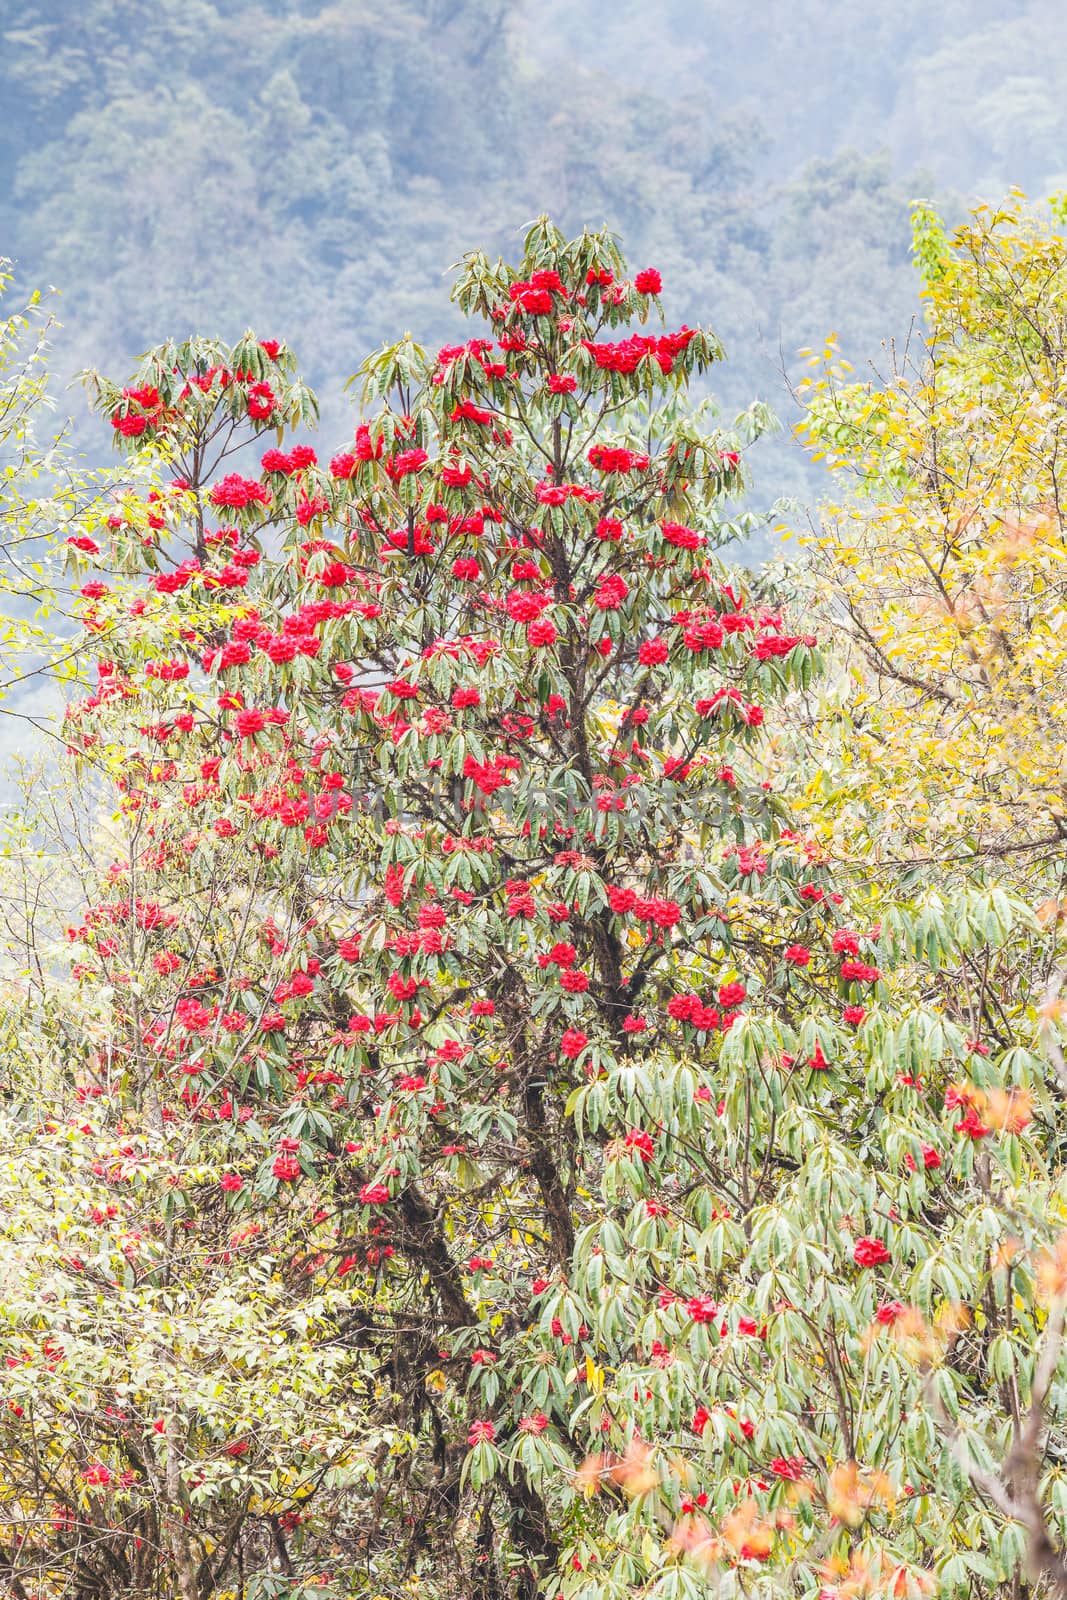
313,168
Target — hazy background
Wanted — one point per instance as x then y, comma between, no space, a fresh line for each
312,167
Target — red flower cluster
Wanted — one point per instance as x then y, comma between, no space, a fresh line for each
626,355
236,492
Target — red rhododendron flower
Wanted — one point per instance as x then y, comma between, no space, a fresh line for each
610,594
870,1252
168,671
683,538
405,463
541,634
535,302
642,1142
609,459
250,722
859,972
467,411
971,1126
702,1308
237,492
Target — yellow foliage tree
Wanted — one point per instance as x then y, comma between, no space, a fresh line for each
946,563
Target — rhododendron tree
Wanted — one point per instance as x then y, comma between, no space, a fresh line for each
658,1215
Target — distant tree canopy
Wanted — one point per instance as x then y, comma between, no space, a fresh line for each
313,167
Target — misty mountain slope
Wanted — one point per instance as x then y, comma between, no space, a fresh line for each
313,168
